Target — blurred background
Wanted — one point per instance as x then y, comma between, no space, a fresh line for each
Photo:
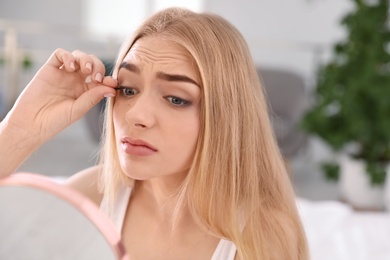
325,67
288,40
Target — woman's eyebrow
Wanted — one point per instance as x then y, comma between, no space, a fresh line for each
175,77
160,75
130,67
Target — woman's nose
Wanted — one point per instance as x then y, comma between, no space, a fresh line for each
141,112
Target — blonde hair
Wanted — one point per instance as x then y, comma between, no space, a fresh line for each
237,187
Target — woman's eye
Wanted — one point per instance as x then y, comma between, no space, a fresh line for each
127,91
178,101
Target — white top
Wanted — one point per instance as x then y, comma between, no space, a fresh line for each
226,250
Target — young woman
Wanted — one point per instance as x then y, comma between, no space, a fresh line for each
190,168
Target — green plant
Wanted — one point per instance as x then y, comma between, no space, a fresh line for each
26,62
353,91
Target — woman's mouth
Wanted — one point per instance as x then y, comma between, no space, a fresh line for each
137,147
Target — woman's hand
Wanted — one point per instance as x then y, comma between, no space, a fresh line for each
63,90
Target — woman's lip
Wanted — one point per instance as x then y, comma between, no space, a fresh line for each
137,147
137,150
138,142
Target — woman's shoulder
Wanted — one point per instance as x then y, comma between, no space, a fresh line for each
86,182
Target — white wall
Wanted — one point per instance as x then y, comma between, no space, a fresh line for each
59,12
291,34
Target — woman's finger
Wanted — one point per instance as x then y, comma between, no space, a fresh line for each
62,59
89,99
84,61
98,69
110,82
91,66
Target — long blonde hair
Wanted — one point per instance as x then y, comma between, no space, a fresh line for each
237,187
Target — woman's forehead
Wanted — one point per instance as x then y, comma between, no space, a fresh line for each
162,53
154,48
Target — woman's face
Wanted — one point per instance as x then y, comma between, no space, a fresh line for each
156,113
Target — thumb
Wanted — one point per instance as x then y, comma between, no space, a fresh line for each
89,99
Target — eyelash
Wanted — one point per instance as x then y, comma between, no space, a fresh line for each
183,102
123,89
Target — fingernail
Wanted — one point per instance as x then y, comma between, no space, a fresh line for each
109,95
88,79
88,66
71,65
98,77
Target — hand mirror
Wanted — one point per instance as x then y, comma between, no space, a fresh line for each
41,219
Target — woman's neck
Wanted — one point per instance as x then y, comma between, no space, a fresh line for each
161,196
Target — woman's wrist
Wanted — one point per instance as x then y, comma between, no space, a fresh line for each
16,145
